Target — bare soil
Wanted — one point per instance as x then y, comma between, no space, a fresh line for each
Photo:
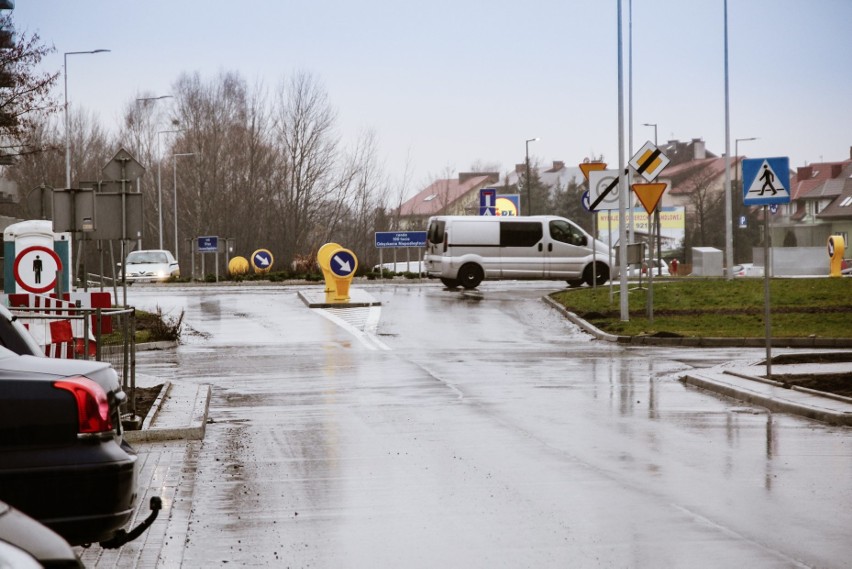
837,383
145,397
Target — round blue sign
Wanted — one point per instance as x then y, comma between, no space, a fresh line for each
343,263
587,205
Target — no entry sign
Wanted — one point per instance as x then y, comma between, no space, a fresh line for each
35,269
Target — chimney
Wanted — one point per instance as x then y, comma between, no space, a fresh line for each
491,177
804,173
520,168
558,165
699,152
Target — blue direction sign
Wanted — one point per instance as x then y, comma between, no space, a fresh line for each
262,260
766,181
385,239
343,263
488,201
209,244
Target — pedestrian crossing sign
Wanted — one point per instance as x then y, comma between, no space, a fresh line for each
766,181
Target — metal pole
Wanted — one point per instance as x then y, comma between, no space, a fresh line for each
767,314
159,191
528,184
174,164
622,179
729,232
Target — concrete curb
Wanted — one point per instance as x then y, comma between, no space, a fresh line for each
700,342
179,413
771,397
748,385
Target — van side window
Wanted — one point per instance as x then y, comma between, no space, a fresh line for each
567,233
520,233
436,232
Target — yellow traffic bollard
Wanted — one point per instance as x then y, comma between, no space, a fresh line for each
836,249
342,264
323,259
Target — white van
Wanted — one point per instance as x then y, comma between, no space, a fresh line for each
465,250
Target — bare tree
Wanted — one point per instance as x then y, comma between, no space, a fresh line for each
706,211
304,129
25,96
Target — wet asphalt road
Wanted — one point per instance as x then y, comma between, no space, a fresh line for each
490,432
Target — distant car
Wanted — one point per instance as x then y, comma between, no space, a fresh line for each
150,266
25,543
658,263
747,270
403,267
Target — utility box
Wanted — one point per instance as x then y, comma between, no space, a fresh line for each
707,262
35,258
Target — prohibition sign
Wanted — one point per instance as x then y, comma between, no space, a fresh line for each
32,265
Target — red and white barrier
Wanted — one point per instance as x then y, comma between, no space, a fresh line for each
59,336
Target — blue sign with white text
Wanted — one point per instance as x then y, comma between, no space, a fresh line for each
400,239
209,244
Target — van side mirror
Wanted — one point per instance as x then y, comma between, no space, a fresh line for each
584,240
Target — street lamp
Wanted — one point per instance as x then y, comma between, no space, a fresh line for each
174,165
529,186
67,116
653,124
160,183
736,157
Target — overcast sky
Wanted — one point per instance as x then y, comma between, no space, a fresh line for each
451,82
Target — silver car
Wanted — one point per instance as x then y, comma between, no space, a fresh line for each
151,266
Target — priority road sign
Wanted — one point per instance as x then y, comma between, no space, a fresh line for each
766,181
649,161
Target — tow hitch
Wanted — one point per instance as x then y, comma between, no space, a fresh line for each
121,537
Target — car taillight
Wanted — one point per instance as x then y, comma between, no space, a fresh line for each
92,405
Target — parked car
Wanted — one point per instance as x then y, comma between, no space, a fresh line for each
62,457
25,543
63,460
150,265
402,267
747,270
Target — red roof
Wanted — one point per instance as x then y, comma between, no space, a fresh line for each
440,194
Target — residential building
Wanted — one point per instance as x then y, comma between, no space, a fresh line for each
451,196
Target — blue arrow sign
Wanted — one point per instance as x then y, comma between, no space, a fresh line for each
343,263
262,259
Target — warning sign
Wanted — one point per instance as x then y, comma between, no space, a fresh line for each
766,181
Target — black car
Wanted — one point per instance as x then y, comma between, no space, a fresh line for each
62,457
25,544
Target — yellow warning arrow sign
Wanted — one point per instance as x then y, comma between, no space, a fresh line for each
649,194
587,167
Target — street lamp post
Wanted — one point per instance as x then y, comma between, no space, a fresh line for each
529,186
160,183
737,159
67,116
174,165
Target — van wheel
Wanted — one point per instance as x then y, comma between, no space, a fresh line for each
602,274
470,276
574,283
450,283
